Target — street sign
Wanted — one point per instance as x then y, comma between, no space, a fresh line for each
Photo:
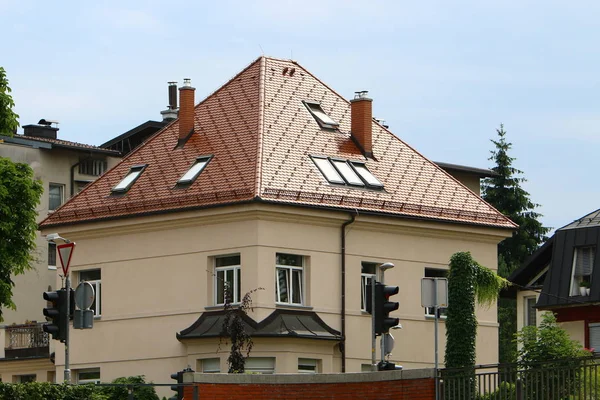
433,289
84,295
65,252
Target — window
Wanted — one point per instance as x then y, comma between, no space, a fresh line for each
52,255
25,378
368,271
583,264
260,365
133,174
55,196
92,167
345,172
80,185
91,375
594,337
209,365
308,366
289,278
320,116
436,273
194,170
227,279
93,276
530,311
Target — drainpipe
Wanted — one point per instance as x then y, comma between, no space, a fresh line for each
343,253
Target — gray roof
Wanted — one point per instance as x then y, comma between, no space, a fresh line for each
587,221
281,323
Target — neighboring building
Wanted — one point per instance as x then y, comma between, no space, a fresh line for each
273,182
64,168
563,276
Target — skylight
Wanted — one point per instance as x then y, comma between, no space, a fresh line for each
194,170
324,120
345,172
126,183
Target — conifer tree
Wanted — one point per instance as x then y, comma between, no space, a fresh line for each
505,193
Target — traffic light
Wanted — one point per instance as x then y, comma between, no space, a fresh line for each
383,307
178,376
56,314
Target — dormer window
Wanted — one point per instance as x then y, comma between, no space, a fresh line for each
583,265
346,172
126,183
195,170
324,120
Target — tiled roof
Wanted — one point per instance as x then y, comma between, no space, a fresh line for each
68,144
261,136
587,221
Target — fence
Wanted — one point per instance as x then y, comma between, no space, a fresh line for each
573,379
26,336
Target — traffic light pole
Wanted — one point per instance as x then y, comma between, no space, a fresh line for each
67,367
373,340
382,342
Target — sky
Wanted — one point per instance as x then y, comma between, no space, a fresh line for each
443,74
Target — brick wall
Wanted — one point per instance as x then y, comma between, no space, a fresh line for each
398,385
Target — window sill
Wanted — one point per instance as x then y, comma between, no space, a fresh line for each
294,306
220,307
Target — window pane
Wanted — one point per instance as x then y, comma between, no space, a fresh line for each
283,284
194,171
55,196
211,365
263,365
368,268
238,273
297,287
307,365
530,311
229,284
348,173
328,171
90,275
288,259
227,261
318,112
128,180
220,287
594,332
366,175
52,254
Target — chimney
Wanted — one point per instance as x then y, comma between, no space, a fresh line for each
186,109
361,116
43,129
171,112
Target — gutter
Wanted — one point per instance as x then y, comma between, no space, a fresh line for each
343,312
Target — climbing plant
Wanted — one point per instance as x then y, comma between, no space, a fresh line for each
468,282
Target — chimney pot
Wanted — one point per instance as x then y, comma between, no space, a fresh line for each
361,124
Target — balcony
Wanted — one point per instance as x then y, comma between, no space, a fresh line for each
27,340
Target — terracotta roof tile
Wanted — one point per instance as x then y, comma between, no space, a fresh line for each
67,143
261,136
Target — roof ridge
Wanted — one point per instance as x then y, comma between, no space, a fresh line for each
261,115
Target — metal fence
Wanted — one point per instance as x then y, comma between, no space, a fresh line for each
26,336
573,379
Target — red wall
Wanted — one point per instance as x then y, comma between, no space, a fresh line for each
415,389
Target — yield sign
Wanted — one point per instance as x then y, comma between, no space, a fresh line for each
65,252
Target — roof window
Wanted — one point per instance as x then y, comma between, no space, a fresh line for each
345,172
322,118
126,183
195,170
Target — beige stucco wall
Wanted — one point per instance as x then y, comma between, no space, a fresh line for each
471,181
576,330
157,280
49,166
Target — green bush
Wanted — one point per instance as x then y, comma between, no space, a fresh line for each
505,391
50,391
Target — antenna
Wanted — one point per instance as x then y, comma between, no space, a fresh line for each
261,49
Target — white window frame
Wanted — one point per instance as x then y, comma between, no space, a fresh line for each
260,365
289,269
323,119
237,277
364,282
207,365
575,280
527,311
52,249
429,311
97,284
129,179
196,169
308,366
88,371
61,193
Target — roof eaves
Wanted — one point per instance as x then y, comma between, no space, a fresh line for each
131,132
480,172
529,263
27,142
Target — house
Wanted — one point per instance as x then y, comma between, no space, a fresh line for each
562,277
278,183
64,168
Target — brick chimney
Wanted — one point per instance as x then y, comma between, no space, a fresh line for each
186,110
362,121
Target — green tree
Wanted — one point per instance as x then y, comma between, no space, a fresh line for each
8,119
139,390
505,193
19,195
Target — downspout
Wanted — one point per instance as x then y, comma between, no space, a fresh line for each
343,253
73,177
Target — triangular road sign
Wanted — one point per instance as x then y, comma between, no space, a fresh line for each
65,252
